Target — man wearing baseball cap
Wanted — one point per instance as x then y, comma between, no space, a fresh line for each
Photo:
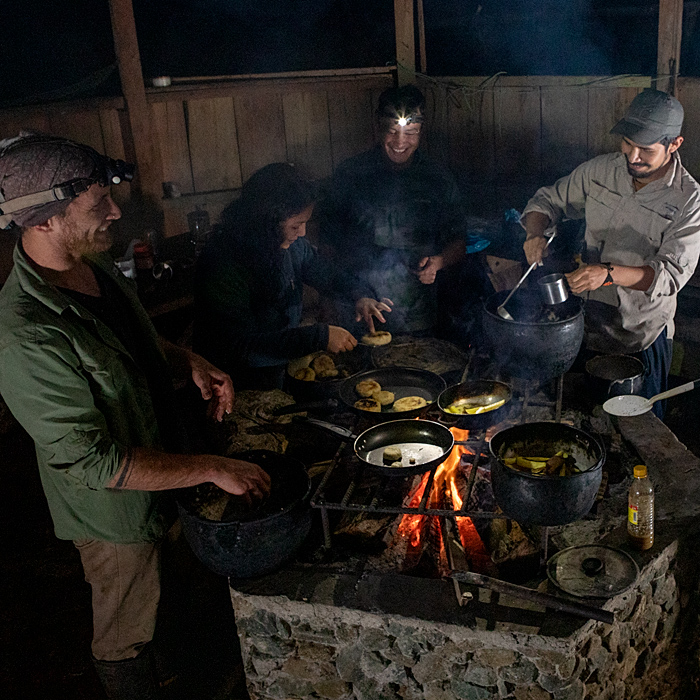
84,372
641,210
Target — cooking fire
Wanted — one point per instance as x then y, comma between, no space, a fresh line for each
448,487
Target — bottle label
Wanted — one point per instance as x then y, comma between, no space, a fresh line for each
633,514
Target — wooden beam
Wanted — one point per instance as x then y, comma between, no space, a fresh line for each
146,148
669,44
405,41
421,37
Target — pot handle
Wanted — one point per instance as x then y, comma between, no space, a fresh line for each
342,433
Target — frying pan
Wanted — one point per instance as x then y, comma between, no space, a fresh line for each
489,390
402,382
429,443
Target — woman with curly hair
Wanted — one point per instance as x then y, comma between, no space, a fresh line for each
249,283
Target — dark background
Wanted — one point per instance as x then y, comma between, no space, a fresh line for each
59,50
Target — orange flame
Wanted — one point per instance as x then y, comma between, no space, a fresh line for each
412,527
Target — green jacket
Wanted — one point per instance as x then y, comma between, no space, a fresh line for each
72,385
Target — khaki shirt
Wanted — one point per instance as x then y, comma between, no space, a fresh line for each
658,226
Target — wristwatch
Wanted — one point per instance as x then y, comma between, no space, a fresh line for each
608,279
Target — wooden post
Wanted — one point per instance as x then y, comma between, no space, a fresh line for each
148,162
405,41
669,44
421,37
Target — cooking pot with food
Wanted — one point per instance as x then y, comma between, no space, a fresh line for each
545,473
233,537
541,342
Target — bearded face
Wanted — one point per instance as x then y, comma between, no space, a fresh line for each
85,223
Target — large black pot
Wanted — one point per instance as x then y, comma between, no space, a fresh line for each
253,541
542,342
545,500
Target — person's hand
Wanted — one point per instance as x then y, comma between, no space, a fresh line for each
214,384
428,268
241,479
587,278
535,249
340,340
367,308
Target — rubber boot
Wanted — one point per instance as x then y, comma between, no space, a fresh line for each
130,679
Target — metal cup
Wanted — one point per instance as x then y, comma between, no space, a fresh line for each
553,288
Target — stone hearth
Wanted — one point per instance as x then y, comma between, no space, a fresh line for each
317,630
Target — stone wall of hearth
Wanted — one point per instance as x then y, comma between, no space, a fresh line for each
299,649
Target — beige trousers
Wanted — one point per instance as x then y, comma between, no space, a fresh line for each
125,581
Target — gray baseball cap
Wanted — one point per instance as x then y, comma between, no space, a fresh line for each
651,116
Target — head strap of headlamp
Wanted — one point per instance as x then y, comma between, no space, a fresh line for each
106,171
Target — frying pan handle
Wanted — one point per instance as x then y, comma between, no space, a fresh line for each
322,405
342,433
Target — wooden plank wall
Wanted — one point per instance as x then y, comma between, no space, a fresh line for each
522,129
498,132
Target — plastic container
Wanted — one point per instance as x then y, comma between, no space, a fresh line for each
200,227
640,510
144,256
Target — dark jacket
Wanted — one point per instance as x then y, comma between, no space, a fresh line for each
244,332
381,221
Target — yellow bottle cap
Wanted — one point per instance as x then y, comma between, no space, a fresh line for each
640,471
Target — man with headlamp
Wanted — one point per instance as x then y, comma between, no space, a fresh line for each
395,217
84,372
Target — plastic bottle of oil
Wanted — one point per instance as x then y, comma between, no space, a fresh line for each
640,510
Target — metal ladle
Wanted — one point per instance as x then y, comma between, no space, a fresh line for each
631,405
500,309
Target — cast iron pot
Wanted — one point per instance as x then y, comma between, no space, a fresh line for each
253,541
545,500
542,342
487,388
614,375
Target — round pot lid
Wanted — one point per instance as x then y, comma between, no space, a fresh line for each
592,571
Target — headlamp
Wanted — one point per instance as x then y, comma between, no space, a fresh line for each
107,171
401,118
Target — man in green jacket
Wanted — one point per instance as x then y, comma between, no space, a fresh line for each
84,372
